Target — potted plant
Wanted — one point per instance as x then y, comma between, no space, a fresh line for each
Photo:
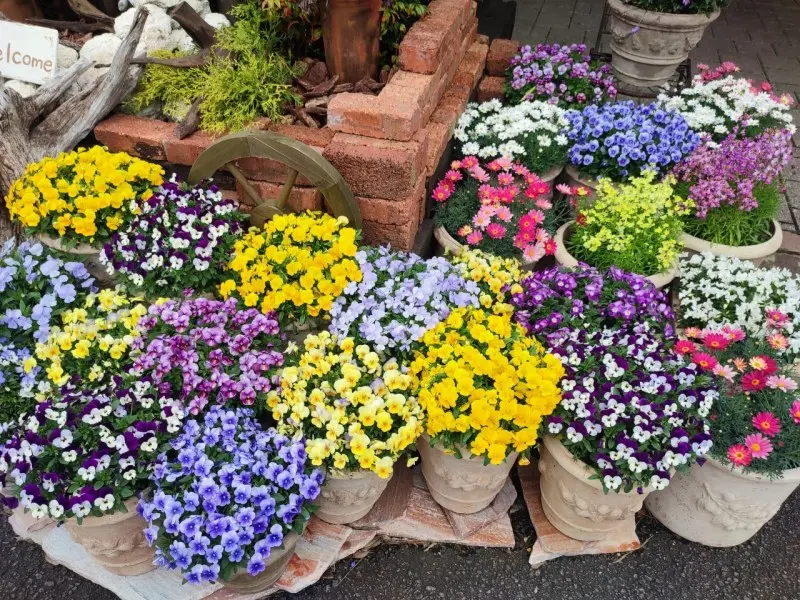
209,352
565,75
650,38
81,457
297,265
399,297
229,501
719,290
624,139
357,413
180,238
74,202
485,387
530,133
635,226
501,208
496,277
754,465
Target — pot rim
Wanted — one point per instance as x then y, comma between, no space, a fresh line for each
791,475
650,17
762,250
466,453
448,241
55,243
344,475
575,173
551,173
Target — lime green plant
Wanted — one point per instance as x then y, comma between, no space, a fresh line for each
634,226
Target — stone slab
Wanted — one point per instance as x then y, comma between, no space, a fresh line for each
467,525
393,501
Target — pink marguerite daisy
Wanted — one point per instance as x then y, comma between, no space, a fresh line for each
782,383
505,179
704,360
740,455
734,334
794,411
533,252
565,189
456,164
767,423
693,332
724,371
759,446
464,230
685,347
474,238
778,341
543,203
469,162
715,340
496,231
503,213
453,175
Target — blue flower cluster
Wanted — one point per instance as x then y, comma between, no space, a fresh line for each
225,496
623,139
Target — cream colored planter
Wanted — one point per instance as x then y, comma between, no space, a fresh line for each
346,497
461,485
451,246
565,259
86,254
648,46
24,523
576,505
716,505
574,178
244,583
758,254
116,541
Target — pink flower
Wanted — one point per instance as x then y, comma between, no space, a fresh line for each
504,163
521,170
453,175
759,446
794,411
505,179
740,455
474,238
754,381
767,423
496,231
503,213
715,341
693,332
704,360
734,334
779,382
685,347
765,364
442,192
778,341
524,238
565,189
456,164
550,247
493,166
480,174
469,162
533,252
485,192
464,230
724,371
776,318
483,217
543,203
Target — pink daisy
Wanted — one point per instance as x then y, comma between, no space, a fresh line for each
496,231
776,318
543,203
759,446
456,164
521,170
715,341
505,179
504,163
503,213
565,189
474,238
794,411
740,455
778,341
550,247
693,332
754,381
685,347
734,334
442,192
494,165
779,382
524,238
767,423
533,252
469,162
464,230
704,360
453,175
724,371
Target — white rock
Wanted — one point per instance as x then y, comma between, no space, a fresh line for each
183,41
65,57
101,49
217,20
88,78
164,4
22,88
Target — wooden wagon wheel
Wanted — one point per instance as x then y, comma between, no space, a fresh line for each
298,158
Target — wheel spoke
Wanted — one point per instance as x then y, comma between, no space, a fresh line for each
249,190
291,177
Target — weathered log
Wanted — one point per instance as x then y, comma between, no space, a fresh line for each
342,87
84,8
194,60
200,31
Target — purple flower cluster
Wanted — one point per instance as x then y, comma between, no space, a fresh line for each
563,75
226,494
623,139
182,238
590,299
629,409
209,351
726,174
399,297
89,450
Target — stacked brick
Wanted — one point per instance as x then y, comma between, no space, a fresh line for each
500,54
385,146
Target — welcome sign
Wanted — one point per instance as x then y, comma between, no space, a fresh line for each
27,53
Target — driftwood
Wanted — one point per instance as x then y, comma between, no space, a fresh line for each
47,123
84,8
195,60
200,31
76,26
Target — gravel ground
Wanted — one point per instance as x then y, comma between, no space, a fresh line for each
665,568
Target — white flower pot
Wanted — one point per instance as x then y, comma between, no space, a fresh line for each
565,259
461,485
576,505
648,46
86,254
716,505
345,497
116,541
244,583
759,254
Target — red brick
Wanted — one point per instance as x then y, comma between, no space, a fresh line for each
491,88
265,169
378,168
473,63
500,54
135,135
300,198
186,151
430,39
318,138
438,137
394,222
385,117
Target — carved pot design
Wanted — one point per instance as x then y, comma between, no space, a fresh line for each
244,583
346,497
84,253
648,46
116,541
461,485
576,505
716,505
761,255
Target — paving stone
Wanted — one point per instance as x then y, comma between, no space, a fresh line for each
791,242
467,525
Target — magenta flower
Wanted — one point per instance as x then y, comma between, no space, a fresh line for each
759,446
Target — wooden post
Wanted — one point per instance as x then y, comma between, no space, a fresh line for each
351,32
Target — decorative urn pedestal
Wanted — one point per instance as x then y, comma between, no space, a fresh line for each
716,505
346,497
647,46
244,583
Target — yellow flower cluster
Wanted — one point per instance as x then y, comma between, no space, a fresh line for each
355,411
484,384
635,226
297,265
91,340
81,196
496,276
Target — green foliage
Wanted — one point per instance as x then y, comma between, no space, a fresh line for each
732,226
705,7
175,88
396,19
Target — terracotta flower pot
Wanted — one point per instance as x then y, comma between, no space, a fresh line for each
86,254
759,254
244,583
648,46
574,178
116,541
716,505
565,259
576,505
461,485
346,497
351,33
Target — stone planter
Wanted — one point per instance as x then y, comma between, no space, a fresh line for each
461,485
449,245
116,541
347,496
24,524
86,254
716,505
576,505
244,583
565,259
647,46
549,178
574,178
758,254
